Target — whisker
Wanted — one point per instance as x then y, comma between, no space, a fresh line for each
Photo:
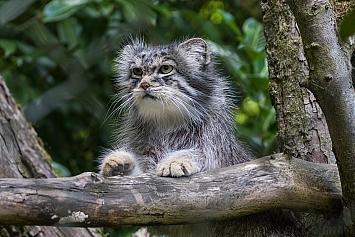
117,98
192,112
178,102
189,107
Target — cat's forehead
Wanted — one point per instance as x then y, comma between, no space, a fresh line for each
153,54
155,49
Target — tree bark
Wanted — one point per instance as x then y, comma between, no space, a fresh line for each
303,128
22,156
90,200
330,81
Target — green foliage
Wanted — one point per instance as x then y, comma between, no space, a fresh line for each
347,27
256,116
122,232
56,57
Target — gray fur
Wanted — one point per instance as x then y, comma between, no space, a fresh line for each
204,115
184,115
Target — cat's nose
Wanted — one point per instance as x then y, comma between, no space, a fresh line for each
144,85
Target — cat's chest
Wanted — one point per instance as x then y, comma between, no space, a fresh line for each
156,143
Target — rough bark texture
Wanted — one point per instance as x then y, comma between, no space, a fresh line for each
330,81
22,156
90,200
303,128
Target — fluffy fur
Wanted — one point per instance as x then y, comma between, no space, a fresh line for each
177,122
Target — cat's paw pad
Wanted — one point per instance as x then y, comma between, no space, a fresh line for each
117,164
176,167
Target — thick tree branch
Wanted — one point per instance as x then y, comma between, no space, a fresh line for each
330,81
90,200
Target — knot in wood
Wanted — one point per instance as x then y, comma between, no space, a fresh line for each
328,77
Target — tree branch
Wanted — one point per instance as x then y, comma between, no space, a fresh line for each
90,200
331,83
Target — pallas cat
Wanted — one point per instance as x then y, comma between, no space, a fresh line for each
178,122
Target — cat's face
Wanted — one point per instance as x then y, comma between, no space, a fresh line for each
162,82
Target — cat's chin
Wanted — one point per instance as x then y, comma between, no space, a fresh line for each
153,109
149,97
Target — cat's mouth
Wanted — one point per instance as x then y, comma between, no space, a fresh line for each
149,95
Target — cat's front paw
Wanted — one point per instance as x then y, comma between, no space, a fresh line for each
176,167
117,163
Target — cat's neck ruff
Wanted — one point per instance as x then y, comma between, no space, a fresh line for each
163,116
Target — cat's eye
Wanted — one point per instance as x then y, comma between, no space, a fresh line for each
137,71
166,69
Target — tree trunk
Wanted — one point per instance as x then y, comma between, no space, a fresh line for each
22,156
302,126
302,129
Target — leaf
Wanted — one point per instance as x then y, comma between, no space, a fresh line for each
165,11
230,21
8,46
269,120
9,10
347,26
253,35
229,55
66,32
61,170
40,34
25,48
57,10
260,83
138,12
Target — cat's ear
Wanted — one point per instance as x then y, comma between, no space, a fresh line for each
195,49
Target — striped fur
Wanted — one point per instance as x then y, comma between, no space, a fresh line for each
187,108
178,122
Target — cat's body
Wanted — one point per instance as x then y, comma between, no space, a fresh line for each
178,122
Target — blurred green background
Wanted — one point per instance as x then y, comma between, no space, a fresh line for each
56,57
